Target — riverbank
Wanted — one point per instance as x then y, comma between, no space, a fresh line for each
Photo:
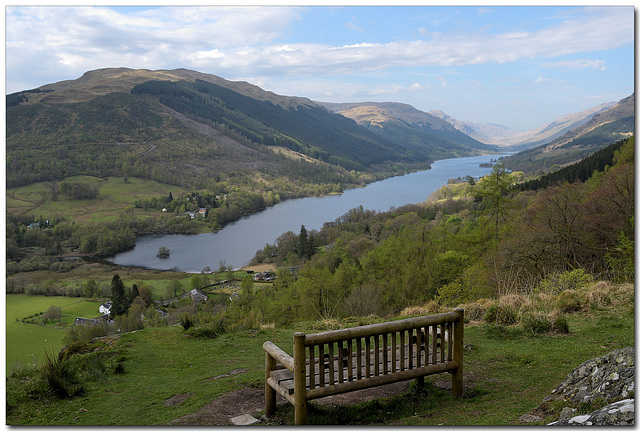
237,242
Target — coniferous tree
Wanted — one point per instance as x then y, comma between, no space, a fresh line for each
305,246
118,298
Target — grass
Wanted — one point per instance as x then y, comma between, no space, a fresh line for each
160,363
115,196
26,343
508,372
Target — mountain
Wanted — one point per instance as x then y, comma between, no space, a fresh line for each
521,140
184,126
602,129
483,132
402,123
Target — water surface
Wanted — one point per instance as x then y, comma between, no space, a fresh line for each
238,242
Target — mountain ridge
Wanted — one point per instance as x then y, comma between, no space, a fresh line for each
524,139
77,126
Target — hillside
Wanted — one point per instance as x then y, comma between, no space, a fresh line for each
602,129
188,127
404,124
541,296
517,140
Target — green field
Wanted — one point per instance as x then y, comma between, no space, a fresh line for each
26,343
115,196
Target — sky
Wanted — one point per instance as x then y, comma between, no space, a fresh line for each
518,66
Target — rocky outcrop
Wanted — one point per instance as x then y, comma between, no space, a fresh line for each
620,413
607,378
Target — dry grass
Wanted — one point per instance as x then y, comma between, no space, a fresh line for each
429,308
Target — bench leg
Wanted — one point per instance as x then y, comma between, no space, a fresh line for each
458,336
269,392
300,410
299,379
456,382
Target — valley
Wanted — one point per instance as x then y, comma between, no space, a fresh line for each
534,246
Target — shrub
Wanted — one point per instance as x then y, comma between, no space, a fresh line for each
513,301
326,325
500,314
76,347
430,307
536,322
451,294
621,260
474,311
568,301
558,282
363,301
186,321
209,330
560,324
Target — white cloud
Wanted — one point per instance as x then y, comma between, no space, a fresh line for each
249,41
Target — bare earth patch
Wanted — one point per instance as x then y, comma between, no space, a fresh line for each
177,399
250,400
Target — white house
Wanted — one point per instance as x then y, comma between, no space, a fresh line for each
105,308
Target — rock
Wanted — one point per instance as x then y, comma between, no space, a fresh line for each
567,413
244,419
620,413
607,377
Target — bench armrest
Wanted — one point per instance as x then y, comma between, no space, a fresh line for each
279,355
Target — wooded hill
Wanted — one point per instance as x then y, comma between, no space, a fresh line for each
408,126
603,129
185,127
467,242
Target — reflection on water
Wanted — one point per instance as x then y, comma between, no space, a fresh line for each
238,242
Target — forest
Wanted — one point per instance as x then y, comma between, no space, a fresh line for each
264,123
481,241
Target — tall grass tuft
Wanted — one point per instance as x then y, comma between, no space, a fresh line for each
61,376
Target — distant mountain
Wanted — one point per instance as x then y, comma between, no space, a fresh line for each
521,140
488,133
602,129
402,123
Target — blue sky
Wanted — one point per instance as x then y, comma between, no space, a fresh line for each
522,67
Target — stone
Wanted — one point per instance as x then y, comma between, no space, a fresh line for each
608,377
245,419
619,413
567,413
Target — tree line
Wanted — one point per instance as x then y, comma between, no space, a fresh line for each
494,241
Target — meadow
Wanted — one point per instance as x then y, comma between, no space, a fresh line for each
26,342
508,372
115,196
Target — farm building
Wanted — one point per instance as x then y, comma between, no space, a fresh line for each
198,296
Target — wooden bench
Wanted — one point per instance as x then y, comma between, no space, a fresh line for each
345,360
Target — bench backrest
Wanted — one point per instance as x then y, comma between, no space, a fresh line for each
370,355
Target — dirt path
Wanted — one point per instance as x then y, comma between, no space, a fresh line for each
250,400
